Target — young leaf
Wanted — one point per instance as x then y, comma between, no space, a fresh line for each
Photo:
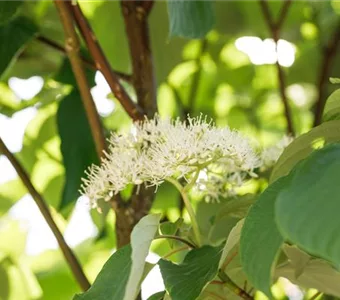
334,80
307,210
157,296
186,281
302,146
232,240
141,238
112,279
332,108
260,238
13,36
190,19
77,146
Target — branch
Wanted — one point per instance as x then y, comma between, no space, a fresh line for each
66,250
233,286
72,48
329,53
136,25
88,63
275,28
102,64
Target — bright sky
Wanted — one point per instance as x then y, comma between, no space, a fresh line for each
81,227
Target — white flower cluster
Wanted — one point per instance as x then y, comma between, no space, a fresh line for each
271,154
158,149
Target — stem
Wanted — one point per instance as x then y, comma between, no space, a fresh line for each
88,63
102,64
233,286
329,54
274,28
176,251
43,207
72,48
316,295
189,208
178,238
228,261
135,15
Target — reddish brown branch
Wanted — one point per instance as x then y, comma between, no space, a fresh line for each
329,54
136,25
102,64
41,203
72,48
275,28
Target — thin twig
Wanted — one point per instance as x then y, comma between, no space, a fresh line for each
43,207
275,28
102,64
229,260
329,53
177,238
233,286
316,295
72,47
176,251
88,63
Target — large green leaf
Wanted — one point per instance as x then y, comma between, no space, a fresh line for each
260,239
186,281
77,145
8,10
13,36
141,237
112,279
302,146
332,108
190,19
307,208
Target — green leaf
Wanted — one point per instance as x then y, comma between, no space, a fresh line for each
190,19
308,272
8,10
112,279
13,36
77,145
10,192
141,237
260,239
302,146
232,240
307,208
157,296
332,108
4,280
334,80
186,281
169,228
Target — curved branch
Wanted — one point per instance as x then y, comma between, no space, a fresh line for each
177,238
134,111
43,207
72,48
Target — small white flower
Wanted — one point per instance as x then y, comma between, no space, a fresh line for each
158,149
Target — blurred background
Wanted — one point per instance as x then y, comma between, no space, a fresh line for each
231,75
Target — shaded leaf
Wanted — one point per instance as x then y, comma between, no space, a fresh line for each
332,107
13,36
112,279
260,239
157,296
141,237
307,208
302,146
190,19
8,10
186,281
232,240
77,146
